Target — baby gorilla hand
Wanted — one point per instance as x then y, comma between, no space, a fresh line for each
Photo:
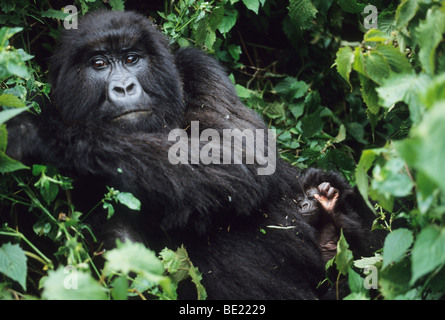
327,197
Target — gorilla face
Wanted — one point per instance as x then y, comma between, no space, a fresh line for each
124,70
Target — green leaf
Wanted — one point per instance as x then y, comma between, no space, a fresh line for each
351,6
134,257
129,200
429,34
312,124
290,88
181,267
228,21
117,5
408,88
8,164
405,12
344,61
120,288
396,245
302,13
428,253
10,100
396,59
344,257
253,5
71,284
425,150
376,66
375,35
13,263
369,94
55,14
5,115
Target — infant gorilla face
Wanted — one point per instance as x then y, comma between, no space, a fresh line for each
315,201
308,205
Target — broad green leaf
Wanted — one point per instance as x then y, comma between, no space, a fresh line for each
396,60
375,35
429,34
120,288
302,12
396,245
55,14
391,179
369,94
428,145
9,100
408,88
377,67
291,88
435,91
8,164
344,61
228,21
5,115
71,284
405,12
129,200
428,252
134,257
117,5
344,257
351,6
13,263
312,124
394,279
253,5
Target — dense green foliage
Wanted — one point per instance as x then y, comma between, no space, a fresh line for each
367,103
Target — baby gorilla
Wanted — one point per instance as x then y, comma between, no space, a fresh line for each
329,204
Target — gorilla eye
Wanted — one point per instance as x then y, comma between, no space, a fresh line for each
131,59
99,63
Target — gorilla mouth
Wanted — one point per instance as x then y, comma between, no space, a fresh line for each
308,214
132,115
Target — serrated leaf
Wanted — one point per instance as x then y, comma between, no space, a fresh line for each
377,67
302,12
181,267
396,245
429,34
428,252
13,263
71,284
396,59
344,61
369,94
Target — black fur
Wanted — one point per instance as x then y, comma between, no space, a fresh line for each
216,211
353,216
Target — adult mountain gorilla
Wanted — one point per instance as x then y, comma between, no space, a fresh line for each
117,93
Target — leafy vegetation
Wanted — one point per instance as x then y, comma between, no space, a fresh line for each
367,103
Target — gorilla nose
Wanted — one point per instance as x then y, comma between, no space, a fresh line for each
128,90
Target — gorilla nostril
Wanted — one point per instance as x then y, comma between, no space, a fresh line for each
119,91
130,88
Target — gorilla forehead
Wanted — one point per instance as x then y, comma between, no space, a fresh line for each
113,32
